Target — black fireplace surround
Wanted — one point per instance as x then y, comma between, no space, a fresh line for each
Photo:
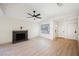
19,36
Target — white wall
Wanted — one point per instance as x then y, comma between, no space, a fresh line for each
7,25
78,28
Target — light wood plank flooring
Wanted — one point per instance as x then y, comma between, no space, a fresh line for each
41,47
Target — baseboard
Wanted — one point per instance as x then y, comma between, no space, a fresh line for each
60,38
64,38
6,43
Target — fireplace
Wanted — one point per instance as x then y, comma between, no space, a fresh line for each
19,36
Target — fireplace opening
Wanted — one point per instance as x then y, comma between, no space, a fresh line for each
19,36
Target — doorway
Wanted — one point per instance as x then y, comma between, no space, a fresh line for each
67,29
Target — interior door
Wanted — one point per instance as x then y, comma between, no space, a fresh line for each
72,31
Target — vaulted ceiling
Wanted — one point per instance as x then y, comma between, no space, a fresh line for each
47,10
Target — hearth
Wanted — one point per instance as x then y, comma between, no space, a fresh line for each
19,36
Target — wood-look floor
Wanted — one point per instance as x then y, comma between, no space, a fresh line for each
42,47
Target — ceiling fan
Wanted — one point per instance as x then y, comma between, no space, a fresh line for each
34,15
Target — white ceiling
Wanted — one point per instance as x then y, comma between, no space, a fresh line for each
47,10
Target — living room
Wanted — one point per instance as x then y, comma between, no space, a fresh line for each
43,26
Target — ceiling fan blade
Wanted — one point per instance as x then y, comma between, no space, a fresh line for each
39,17
29,17
29,14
